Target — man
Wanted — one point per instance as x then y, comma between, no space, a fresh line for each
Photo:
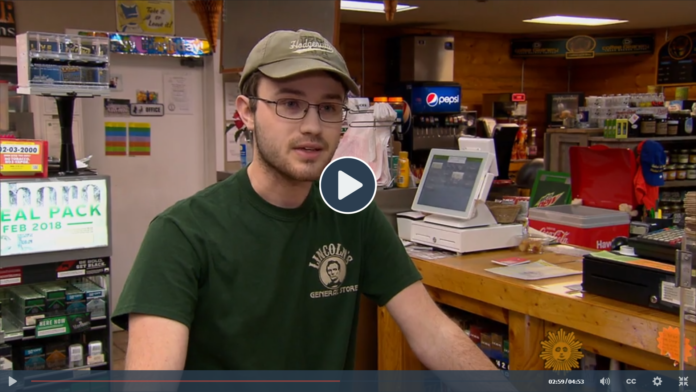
333,269
256,272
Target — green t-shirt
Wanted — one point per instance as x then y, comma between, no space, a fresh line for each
262,287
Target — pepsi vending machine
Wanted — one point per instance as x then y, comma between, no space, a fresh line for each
437,117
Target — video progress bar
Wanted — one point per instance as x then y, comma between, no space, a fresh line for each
187,381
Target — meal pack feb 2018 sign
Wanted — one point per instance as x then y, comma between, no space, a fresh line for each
49,216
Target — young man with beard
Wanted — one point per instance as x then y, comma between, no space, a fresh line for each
256,272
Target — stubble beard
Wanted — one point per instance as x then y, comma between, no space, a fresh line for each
277,161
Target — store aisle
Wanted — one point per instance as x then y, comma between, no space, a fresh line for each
118,350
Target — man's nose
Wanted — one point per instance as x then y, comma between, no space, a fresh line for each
312,122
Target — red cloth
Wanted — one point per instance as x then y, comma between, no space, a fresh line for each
646,195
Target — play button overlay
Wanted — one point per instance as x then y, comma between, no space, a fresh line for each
11,381
347,185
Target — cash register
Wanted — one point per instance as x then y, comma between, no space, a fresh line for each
640,270
449,210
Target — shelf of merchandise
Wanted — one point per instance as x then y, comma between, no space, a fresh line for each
14,332
600,139
680,184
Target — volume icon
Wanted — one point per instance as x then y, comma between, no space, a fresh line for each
604,381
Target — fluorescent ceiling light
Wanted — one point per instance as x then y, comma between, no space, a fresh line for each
575,20
368,6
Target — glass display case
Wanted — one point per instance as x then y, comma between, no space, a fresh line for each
60,63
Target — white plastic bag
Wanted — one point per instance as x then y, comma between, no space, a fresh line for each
367,138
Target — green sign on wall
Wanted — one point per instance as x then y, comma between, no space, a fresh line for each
582,46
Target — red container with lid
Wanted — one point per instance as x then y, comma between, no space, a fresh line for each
603,178
589,227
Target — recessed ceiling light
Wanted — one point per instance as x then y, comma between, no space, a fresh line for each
368,6
575,20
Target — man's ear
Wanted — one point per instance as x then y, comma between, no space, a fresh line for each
244,110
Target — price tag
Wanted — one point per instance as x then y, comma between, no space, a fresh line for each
21,156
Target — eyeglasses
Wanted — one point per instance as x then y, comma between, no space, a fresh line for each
297,109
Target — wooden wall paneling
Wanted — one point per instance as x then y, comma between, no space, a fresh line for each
482,65
624,74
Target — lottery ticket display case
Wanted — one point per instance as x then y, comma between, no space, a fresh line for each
65,67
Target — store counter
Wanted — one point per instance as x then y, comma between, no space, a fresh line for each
532,309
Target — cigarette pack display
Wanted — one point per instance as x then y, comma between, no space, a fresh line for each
95,353
34,357
59,63
55,297
76,354
27,305
497,342
94,297
57,355
6,357
74,300
475,332
486,343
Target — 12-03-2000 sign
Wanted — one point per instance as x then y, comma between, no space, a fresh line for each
15,149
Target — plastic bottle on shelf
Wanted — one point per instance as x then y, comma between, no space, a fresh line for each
403,180
532,147
246,149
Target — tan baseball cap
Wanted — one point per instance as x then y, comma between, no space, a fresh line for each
286,53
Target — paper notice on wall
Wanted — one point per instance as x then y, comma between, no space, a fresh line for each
115,139
231,93
177,93
138,139
232,146
520,109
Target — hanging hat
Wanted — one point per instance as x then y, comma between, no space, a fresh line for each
653,161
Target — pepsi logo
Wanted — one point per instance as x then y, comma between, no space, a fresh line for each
431,100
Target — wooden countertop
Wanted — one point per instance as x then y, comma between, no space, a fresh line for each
604,320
